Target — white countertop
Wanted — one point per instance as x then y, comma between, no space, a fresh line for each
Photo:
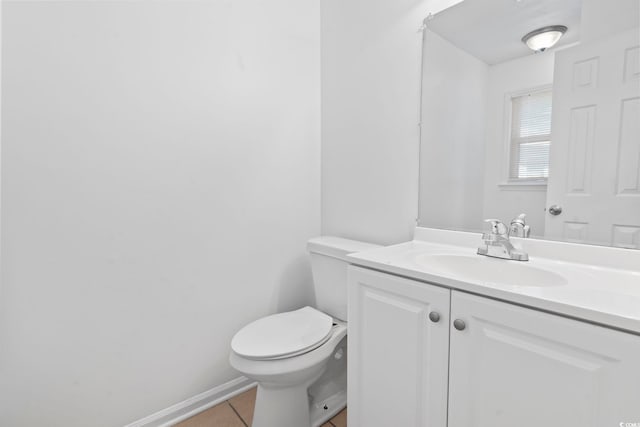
603,284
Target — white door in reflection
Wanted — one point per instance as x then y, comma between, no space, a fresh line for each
595,148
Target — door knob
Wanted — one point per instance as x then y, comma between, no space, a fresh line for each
459,324
434,317
555,209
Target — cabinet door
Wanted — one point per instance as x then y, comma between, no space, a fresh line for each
398,357
513,366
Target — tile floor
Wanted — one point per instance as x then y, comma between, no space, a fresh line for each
238,412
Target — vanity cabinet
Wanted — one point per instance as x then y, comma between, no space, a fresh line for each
398,357
499,365
514,366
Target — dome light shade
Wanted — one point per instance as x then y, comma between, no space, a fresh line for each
543,38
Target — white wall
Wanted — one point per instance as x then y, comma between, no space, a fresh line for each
370,102
506,202
160,178
454,94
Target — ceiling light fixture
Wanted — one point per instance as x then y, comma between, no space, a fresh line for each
543,38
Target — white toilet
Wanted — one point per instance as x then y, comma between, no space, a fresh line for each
299,358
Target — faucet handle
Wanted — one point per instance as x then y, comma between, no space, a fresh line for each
496,228
520,219
519,227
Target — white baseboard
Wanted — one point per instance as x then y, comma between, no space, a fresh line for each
198,403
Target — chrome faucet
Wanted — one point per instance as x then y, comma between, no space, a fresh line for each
497,243
519,227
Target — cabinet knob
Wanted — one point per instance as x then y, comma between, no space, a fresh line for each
459,324
434,317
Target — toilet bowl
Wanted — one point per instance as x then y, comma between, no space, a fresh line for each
299,358
284,379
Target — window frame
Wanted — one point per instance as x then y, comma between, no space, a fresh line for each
507,182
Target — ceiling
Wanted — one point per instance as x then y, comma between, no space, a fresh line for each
491,30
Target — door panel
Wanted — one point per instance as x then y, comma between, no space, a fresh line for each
398,358
513,366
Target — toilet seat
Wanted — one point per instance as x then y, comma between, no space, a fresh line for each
283,335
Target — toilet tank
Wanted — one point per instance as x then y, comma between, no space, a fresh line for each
329,267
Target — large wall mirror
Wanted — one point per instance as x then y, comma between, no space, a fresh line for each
553,134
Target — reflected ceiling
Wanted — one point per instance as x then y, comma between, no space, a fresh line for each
492,29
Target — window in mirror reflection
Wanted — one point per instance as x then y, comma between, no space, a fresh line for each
530,135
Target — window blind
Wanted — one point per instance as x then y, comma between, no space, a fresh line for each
530,136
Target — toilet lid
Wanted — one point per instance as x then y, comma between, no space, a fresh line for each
283,334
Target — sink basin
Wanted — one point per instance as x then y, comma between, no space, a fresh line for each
490,270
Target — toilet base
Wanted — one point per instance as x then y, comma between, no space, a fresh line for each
328,395
334,404
289,407
285,407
